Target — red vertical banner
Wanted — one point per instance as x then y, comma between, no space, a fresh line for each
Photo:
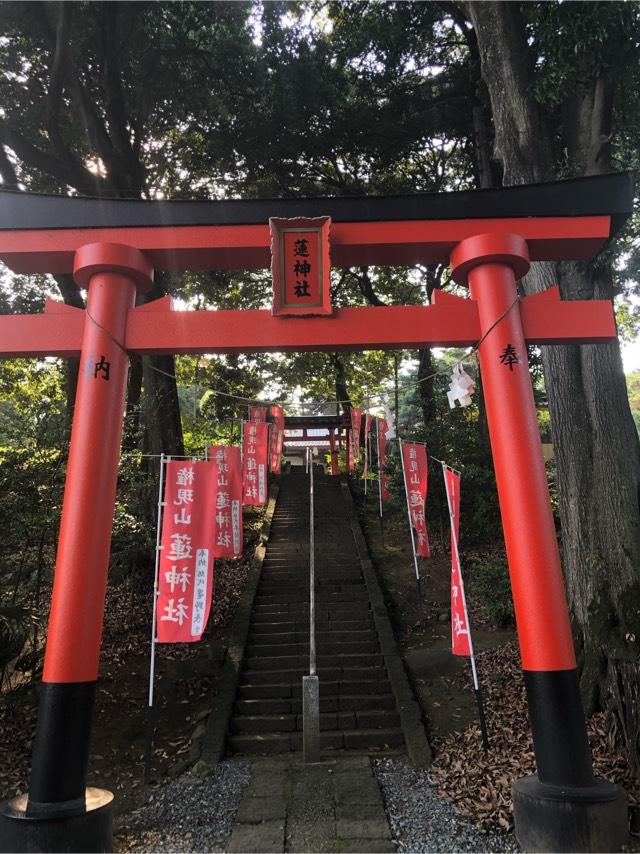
460,643
416,470
349,450
228,500
185,580
257,413
255,462
382,456
335,464
367,427
356,422
276,439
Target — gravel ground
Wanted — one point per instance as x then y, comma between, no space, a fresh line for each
186,814
421,822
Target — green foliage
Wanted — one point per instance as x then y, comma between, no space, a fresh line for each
15,623
32,403
458,437
633,387
488,582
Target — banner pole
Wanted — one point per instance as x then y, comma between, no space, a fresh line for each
413,539
150,721
474,671
379,480
366,453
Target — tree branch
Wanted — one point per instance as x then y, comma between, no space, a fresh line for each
7,171
68,171
366,287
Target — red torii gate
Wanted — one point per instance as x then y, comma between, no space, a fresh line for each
489,237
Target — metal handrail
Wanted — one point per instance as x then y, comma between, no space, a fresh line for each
312,577
310,683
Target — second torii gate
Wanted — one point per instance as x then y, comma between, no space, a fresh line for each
489,237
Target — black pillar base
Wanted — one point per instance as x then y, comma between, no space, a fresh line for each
55,829
556,818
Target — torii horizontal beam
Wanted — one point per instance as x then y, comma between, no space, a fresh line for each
451,322
559,220
248,247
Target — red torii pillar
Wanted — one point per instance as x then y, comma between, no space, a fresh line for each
563,807
59,807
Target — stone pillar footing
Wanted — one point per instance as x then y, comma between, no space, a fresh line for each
310,719
555,818
90,830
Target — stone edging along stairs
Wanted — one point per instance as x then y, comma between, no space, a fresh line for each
366,703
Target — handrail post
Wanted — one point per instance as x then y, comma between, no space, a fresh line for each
310,683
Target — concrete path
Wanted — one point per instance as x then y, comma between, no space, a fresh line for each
335,805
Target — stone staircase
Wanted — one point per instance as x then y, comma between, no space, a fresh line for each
357,706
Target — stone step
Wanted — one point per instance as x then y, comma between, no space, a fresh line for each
301,588
264,625
300,562
263,744
297,636
272,581
357,610
336,688
340,720
322,597
328,703
301,661
324,647
294,576
266,676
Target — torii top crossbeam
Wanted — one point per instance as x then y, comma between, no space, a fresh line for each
562,220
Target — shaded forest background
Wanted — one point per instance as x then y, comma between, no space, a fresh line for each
229,100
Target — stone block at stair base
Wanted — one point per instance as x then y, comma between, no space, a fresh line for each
551,818
355,789
311,718
257,809
252,838
356,828
371,846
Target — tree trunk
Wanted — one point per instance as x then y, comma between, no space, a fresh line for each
342,394
595,440
161,406
426,390
71,295
163,426
131,437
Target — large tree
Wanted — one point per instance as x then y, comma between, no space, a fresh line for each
92,94
560,79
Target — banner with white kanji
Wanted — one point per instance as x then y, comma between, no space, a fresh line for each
416,469
257,413
382,457
356,421
254,462
333,446
367,427
185,579
276,439
460,644
228,500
